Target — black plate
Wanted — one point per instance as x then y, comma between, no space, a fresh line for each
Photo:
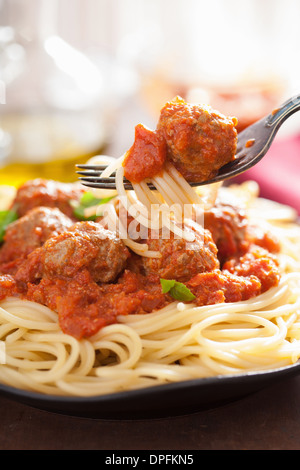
158,401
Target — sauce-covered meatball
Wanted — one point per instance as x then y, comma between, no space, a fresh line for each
31,231
47,193
228,226
180,259
199,139
86,245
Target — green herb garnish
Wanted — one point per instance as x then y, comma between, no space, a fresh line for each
177,290
88,200
6,218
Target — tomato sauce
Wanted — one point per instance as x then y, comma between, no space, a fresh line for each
90,279
84,306
8,286
218,287
146,157
250,143
256,262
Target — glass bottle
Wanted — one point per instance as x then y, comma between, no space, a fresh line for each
53,108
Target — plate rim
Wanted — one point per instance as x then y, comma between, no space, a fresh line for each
201,382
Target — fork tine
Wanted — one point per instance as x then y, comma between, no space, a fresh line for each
95,174
106,183
95,179
92,167
99,185
88,173
92,178
102,185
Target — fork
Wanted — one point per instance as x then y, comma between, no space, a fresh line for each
253,144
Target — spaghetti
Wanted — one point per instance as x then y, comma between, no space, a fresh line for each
178,342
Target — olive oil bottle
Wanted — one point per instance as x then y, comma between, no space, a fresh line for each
55,110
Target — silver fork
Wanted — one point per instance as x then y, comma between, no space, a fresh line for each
253,144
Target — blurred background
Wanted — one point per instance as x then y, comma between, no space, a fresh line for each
77,76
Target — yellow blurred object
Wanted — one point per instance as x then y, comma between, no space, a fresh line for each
15,174
7,194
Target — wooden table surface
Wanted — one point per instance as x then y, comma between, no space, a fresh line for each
266,420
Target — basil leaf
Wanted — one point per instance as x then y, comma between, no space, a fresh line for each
6,218
79,213
177,290
181,292
87,200
166,285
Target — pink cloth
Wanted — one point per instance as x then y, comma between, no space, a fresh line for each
278,173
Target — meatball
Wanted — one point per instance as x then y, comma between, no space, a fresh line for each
87,245
181,260
199,139
228,226
31,231
47,193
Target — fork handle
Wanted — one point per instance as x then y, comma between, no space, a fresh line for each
279,115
